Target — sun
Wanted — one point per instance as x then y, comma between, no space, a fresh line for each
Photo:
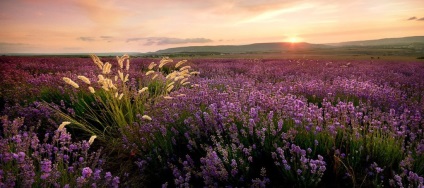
294,40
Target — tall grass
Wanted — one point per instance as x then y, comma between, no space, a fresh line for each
110,106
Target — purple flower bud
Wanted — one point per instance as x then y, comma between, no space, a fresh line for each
108,176
96,175
115,182
299,171
80,181
86,172
46,168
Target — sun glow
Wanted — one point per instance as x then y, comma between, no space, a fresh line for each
294,40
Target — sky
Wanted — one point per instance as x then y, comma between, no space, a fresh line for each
94,26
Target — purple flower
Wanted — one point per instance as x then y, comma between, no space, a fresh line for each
287,167
96,175
115,182
108,176
80,181
299,171
46,168
86,172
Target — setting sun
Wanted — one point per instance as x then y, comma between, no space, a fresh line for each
294,40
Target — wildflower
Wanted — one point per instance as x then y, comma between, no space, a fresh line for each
146,117
46,168
70,82
80,181
108,176
91,140
91,89
115,182
180,63
149,72
143,90
63,124
84,79
151,66
96,175
86,172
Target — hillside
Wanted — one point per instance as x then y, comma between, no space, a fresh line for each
415,40
257,47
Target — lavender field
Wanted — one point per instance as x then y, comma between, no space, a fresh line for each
83,122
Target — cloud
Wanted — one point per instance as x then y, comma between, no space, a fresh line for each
168,40
6,47
165,41
11,44
412,18
87,39
72,48
104,12
421,19
135,39
106,37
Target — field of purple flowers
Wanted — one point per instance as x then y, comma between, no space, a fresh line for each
239,123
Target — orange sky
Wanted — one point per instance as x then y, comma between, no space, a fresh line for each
92,26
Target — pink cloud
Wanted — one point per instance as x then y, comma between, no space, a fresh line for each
102,12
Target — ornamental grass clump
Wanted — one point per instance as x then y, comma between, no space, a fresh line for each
116,103
55,161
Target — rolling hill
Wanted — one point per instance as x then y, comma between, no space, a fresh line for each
383,42
414,42
257,47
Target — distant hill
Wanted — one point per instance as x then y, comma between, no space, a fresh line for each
415,42
257,47
384,42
